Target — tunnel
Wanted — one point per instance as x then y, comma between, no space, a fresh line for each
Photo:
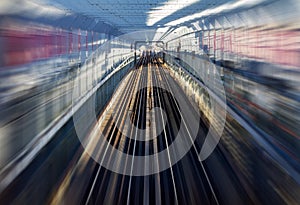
153,102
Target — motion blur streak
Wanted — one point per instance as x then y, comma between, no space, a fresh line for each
51,49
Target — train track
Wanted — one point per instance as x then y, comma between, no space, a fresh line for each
187,182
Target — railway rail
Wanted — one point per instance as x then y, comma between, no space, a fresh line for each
145,88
